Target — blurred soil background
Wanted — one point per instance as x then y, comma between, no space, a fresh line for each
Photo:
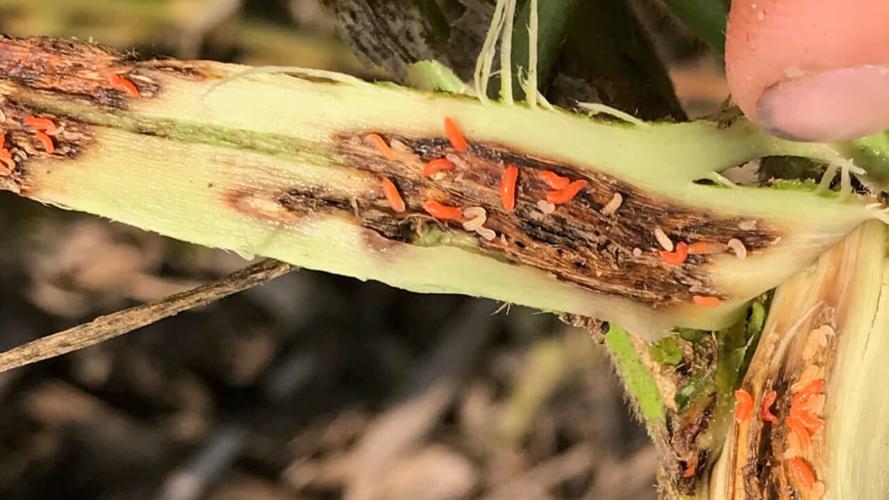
312,386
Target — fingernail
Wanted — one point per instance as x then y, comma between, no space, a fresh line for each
833,105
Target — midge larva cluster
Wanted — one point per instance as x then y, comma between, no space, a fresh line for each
789,414
40,134
42,129
409,163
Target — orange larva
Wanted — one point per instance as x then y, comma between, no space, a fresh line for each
41,123
46,141
563,196
676,257
8,163
801,405
743,406
379,143
706,300
393,197
765,411
812,388
441,211
706,248
455,135
802,473
808,419
553,180
121,84
690,469
5,157
437,165
508,187
799,430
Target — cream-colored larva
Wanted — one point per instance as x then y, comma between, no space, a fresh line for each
663,240
738,248
476,218
612,206
546,207
487,234
457,160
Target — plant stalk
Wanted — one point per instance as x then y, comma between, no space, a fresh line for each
278,162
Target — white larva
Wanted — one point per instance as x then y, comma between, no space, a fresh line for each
487,234
473,212
477,216
456,160
818,339
141,78
613,205
474,224
57,131
397,145
738,248
546,207
403,151
663,240
813,344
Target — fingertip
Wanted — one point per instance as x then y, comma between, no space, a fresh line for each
835,51
828,106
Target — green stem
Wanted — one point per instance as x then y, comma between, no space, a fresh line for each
276,164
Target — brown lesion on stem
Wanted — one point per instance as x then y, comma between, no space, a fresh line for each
84,72
685,433
61,68
73,69
795,358
88,72
69,140
613,254
763,450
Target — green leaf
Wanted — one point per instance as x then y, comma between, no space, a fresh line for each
690,334
434,76
636,376
756,320
872,154
706,18
697,385
554,17
667,351
805,186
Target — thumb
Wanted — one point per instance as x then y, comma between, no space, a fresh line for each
815,70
